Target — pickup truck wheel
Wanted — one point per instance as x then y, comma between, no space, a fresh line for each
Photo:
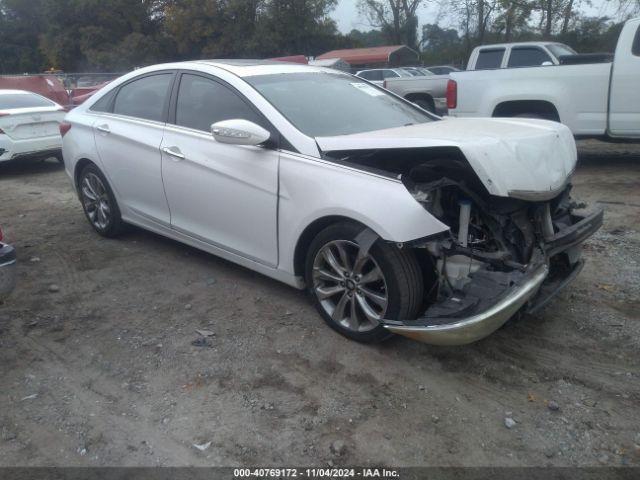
354,290
98,202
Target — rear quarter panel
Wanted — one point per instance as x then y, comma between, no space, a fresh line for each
579,92
435,86
79,143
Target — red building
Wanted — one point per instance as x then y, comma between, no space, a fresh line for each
375,57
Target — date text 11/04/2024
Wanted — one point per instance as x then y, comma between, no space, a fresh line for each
314,473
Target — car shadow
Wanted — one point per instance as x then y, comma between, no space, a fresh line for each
14,168
599,153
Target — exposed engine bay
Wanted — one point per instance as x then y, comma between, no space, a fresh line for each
496,247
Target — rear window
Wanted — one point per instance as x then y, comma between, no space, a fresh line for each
23,100
527,57
560,50
371,75
488,59
635,49
441,70
144,97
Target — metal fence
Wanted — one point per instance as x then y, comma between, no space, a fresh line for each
72,81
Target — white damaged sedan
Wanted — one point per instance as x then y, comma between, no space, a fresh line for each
395,220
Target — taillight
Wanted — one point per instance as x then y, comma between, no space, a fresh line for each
452,94
64,127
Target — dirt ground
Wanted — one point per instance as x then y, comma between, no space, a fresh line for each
100,368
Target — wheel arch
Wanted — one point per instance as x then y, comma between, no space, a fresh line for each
412,97
512,108
79,166
309,233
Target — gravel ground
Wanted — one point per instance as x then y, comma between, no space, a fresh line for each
97,364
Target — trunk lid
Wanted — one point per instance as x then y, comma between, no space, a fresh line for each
28,123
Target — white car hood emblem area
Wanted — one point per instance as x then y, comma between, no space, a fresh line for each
512,157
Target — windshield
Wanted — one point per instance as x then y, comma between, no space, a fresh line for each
322,104
559,50
9,101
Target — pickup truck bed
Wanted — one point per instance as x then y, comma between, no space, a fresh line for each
593,100
429,92
536,90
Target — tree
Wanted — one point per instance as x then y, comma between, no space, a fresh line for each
250,28
397,19
20,26
512,17
441,46
98,35
290,27
371,38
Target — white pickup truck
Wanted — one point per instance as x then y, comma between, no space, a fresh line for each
593,100
427,91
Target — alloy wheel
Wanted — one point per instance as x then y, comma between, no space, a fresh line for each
350,285
96,201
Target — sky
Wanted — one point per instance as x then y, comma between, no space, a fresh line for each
347,16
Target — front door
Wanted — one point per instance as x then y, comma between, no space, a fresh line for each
226,195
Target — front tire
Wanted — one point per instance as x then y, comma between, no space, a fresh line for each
353,290
98,202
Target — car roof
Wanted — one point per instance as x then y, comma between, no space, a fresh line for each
515,44
248,67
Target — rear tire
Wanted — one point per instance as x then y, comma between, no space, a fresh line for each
536,116
99,203
353,292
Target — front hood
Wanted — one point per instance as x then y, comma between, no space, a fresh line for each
522,158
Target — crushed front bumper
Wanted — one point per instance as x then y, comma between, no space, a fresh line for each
7,270
492,297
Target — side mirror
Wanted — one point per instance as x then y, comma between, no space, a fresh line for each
239,132
547,63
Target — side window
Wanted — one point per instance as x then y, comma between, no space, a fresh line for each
489,58
389,74
144,98
366,75
202,101
104,104
635,48
527,57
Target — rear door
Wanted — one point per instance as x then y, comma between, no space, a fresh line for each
489,58
128,136
529,56
624,100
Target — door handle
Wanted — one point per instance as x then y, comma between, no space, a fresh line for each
103,128
174,152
